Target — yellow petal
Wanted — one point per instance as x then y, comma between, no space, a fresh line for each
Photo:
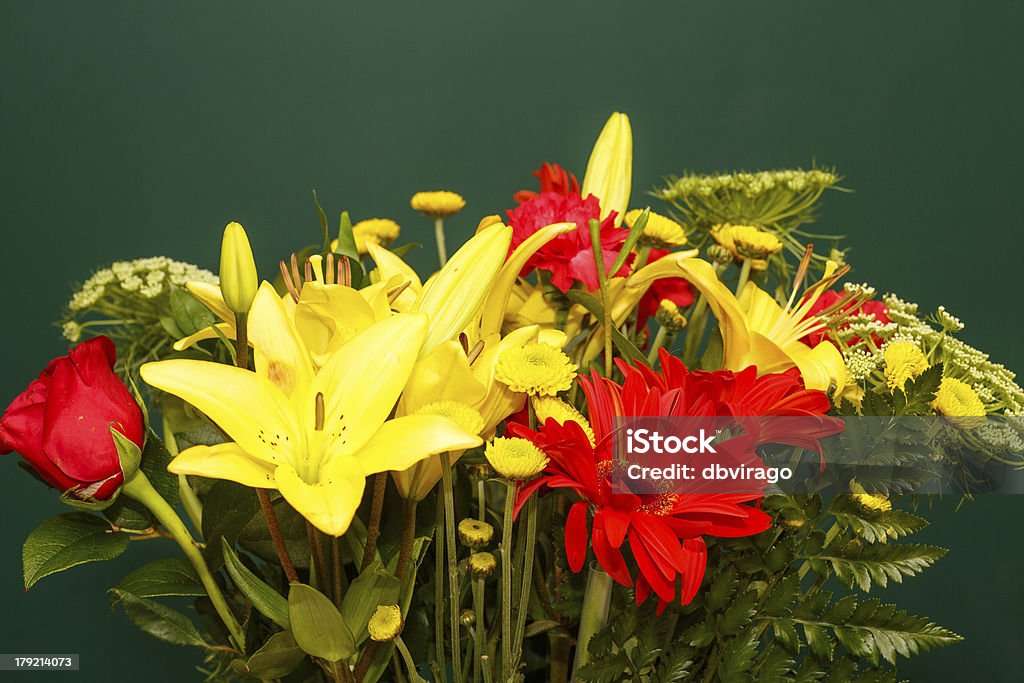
228,329
248,407
493,310
376,297
453,297
500,401
402,442
328,316
609,175
210,296
362,381
822,367
389,265
331,502
442,375
224,461
278,352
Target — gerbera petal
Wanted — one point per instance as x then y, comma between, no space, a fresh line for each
224,461
662,579
403,441
576,535
610,558
695,552
331,502
616,523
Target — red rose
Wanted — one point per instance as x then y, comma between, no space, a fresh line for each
61,423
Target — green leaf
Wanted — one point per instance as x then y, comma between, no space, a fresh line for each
317,624
627,349
634,234
860,565
255,536
265,599
738,659
324,231
227,508
737,615
68,540
171,576
347,248
158,620
819,640
187,313
374,586
278,657
128,452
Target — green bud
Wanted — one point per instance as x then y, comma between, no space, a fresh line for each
238,279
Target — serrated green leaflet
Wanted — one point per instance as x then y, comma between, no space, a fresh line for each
68,540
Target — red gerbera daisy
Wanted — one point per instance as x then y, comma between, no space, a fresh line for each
569,257
665,532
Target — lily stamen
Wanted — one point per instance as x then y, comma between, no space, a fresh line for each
320,412
397,291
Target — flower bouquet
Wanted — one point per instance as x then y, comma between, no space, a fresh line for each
369,475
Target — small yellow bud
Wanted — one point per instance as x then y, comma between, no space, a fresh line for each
668,316
238,279
467,617
386,623
474,533
482,565
609,174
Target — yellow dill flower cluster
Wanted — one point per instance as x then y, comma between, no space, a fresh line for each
903,360
661,232
749,184
437,204
537,369
515,458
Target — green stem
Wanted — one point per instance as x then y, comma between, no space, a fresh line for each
659,341
453,563
409,663
441,667
744,275
602,279
594,613
506,582
380,482
442,252
141,490
559,649
641,258
193,507
408,538
530,517
241,340
480,635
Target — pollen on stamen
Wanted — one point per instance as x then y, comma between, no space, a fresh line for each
319,426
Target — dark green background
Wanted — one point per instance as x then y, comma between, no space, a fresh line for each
131,129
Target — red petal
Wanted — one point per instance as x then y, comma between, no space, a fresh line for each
696,554
610,558
662,583
616,523
576,536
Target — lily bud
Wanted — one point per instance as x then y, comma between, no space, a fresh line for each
238,279
610,169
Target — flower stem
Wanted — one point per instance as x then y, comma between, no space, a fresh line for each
276,537
139,488
380,482
453,562
744,275
408,537
480,639
506,582
530,514
242,340
594,613
441,668
338,568
602,280
442,252
319,562
659,341
409,663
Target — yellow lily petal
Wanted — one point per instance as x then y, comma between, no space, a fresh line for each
452,298
224,461
500,401
330,503
442,375
248,407
402,442
389,265
228,329
493,310
609,175
376,297
363,380
822,367
210,296
278,352
328,316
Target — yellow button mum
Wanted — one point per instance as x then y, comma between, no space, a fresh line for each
747,241
545,407
903,360
536,368
959,403
668,315
661,232
386,623
438,204
482,565
379,231
459,413
475,533
515,458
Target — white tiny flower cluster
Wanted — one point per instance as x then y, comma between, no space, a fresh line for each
947,320
1001,436
147,277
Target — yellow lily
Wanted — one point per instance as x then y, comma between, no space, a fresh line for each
313,435
609,175
756,330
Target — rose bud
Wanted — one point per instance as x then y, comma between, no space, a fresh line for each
62,422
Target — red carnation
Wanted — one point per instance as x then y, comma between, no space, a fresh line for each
665,532
553,178
61,423
569,257
876,308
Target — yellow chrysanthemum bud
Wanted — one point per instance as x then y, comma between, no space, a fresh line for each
515,458
482,565
903,360
959,403
536,368
609,175
668,315
661,232
747,241
437,204
467,617
379,231
720,255
386,623
474,533
465,416
238,279
545,407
